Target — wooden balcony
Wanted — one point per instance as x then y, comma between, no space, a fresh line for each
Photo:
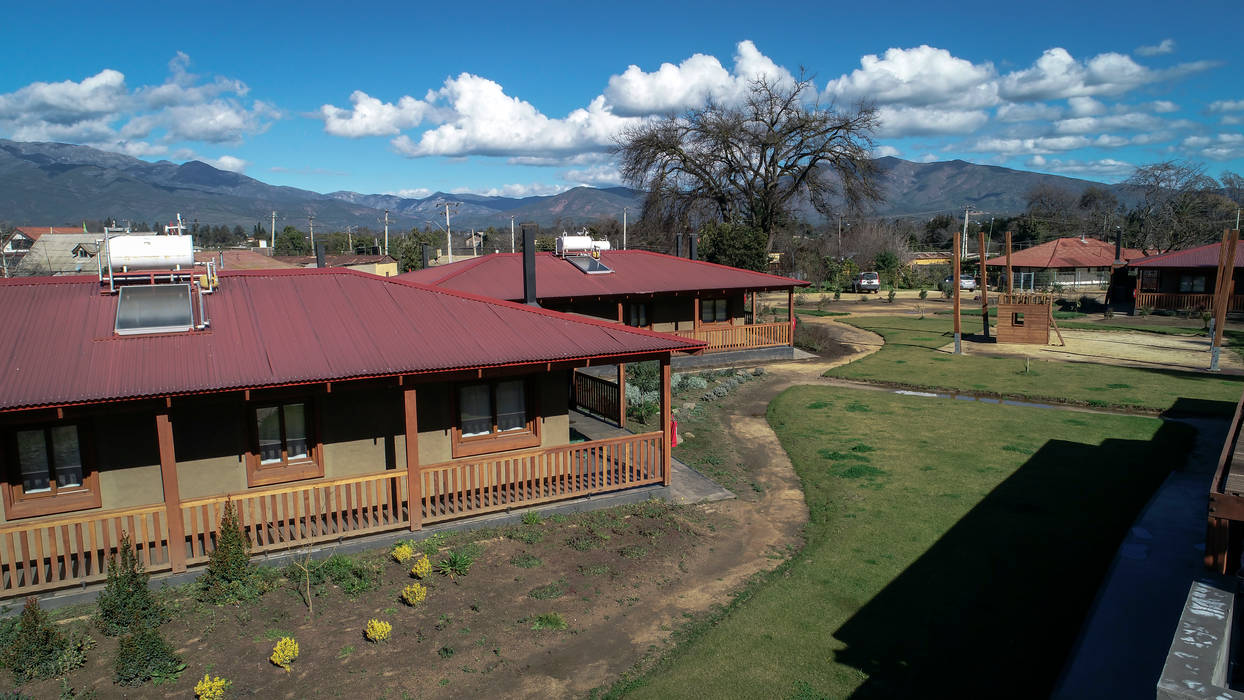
1183,302
754,335
69,551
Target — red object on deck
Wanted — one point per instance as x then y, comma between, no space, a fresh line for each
673,433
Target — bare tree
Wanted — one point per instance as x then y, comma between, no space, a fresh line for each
754,163
1178,206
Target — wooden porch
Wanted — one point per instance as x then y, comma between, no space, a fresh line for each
71,551
1184,302
752,335
1224,533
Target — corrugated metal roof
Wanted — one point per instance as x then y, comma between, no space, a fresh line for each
279,327
1200,256
500,276
235,259
337,260
1067,252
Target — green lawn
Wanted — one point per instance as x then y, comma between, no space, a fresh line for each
953,548
910,358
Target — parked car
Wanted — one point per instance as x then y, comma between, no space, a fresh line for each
966,283
867,282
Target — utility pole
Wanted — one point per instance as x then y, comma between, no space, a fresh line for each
624,227
840,237
272,233
512,248
449,241
954,283
311,225
386,231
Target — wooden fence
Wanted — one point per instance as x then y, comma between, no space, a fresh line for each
61,552
1183,302
753,335
600,396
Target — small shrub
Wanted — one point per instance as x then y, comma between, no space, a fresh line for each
1108,313
126,604
585,542
145,656
353,576
38,650
633,551
889,297
549,592
414,594
230,577
526,561
433,544
284,653
924,294
445,652
402,553
457,562
377,631
211,688
837,294
526,534
422,567
548,621
532,517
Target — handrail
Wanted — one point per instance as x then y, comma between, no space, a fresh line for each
289,488
535,451
91,516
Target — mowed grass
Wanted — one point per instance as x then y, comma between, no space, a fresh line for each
953,549
910,357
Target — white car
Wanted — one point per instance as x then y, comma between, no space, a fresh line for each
966,283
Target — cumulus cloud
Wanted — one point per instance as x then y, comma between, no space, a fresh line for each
920,76
1226,106
1020,112
1026,146
1161,106
692,83
595,176
1057,75
1105,167
897,122
1164,47
886,151
1218,147
230,163
1133,121
516,190
414,193
1085,106
371,117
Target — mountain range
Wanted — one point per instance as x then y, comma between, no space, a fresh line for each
61,184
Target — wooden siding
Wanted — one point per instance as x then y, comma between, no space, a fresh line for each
1035,329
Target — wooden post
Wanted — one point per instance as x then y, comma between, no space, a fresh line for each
1010,288
172,494
754,319
695,313
984,284
1217,536
790,313
621,394
665,418
1222,297
954,284
620,319
414,491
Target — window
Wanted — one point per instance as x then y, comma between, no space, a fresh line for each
284,448
638,315
1192,284
1017,319
49,472
495,416
714,310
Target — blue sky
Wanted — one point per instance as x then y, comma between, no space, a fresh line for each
526,99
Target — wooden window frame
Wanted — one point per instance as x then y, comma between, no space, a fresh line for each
310,467
18,504
626,313
496,441
715,324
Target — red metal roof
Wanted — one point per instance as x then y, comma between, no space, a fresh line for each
1200,256
337,260
33,232
242,260
500,276
279,327
1067,252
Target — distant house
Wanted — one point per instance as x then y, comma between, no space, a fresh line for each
1076,263
380,265
324,404
1184,280
922,259
60,254
23,238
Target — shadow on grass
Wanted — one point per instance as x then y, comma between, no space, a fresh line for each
993,607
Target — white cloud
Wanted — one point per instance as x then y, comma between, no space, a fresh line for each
921,76
886,151
1082,125
1024,146
595,176
1166,46
66,102
1085,106
371,117
1220,147
183,87
1105,167
230,163
1226,106
927,158
515,190
1161,106
415,193
1021,112
910,121
1231,120
1056,75
692,83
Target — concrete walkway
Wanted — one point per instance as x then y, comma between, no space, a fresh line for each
1124,642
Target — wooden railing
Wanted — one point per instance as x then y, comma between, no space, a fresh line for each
512,480
60,552
297,515
1183,302
600,396
45,554
755,335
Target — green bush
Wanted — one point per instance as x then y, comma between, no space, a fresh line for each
352,576
145,656
37,650
457,562
126,603
924,294
230,576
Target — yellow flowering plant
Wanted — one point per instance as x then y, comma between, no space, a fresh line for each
377,631
414,594
403,553
422,567
284,653
211,688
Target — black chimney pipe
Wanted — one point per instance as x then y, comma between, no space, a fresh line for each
319,255
695,237
427,256
1118,246
529,266
678,245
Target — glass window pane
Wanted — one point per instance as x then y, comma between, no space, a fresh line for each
66,455
720,309
643,315
706,311
32,457
296,431
511,405
475,410
268,421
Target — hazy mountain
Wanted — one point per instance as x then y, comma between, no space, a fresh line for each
60,184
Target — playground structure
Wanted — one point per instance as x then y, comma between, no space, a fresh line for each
1025,317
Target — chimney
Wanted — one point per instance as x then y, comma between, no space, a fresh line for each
678,245
427,256
1118,246
319,255
529,266
695,237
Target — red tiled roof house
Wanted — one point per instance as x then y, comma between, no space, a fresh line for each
1184,280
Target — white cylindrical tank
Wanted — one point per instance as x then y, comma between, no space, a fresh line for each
129,253
600,245
573,244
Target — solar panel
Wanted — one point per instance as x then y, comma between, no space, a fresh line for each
589,265
160,308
